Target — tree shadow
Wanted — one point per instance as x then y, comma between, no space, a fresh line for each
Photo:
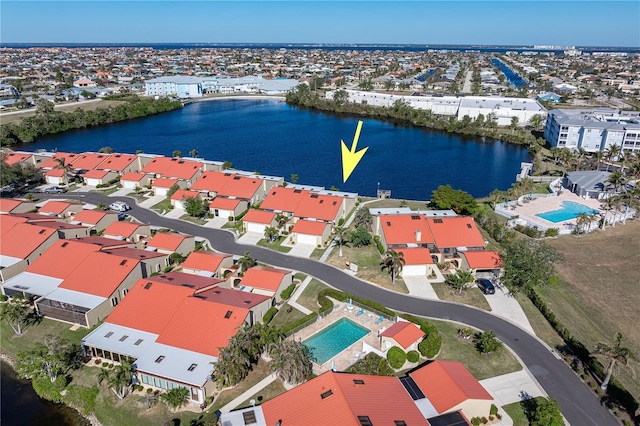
529,404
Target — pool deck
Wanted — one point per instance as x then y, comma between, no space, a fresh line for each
353,353
530,209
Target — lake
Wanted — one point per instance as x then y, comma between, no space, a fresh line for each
270,137
22,406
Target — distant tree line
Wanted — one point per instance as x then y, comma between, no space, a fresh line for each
402,113
47,121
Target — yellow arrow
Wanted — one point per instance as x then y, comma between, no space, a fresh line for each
351,158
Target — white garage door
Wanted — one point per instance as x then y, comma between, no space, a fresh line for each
93,182
129,184
161,191
225,214
307,239
256,227
420,270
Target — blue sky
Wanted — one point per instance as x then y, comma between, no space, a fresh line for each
592,23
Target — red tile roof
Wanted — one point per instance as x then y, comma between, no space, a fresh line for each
9,220
8,204
195,282
91,216
133,253
132,176
117,162
51,162
149,306
55,173
172,167
202,326
416,256
447,384
62,258
184,193
405,333
223,203
264,277
164,183
104,243
322,207
88,161
23,238
405,228
167,240
95,174
228,184
284,199
232,297
56,207
113,270
309,227
484,259
204,260
456,231
336,399
16,157
259,216
122,229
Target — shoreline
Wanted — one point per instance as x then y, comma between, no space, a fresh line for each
242,97
11,362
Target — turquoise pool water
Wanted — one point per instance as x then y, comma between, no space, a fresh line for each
568,211
329,342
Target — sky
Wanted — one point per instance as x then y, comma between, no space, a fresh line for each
514,22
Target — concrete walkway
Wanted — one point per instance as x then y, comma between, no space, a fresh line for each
175,213
216,222
505,305
293,301
249,393
510,388
122,192
419,286
152,201
302,250
251,238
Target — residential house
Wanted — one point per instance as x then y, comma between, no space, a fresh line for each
18,157
418,261
230,185
150,261
161,186
178,197
87,161
129,231
588,183
454,235
284,200
403,334
257,304
99,177
258,220
310,232
96,220
131,180
405,230
120,163
207,263
22,244
61,209
266,280
476,261
11,205
174,168
169,242
228,208
450,387
68,230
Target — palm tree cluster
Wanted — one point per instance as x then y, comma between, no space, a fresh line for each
616,355
584,221
459,281
246,262
290,360
119,379
393,262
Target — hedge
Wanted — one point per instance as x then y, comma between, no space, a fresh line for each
413,356
430,346
376,238
396,357
286,293
268,316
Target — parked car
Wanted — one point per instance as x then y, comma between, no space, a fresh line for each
55,190
119,206
122,215
485,286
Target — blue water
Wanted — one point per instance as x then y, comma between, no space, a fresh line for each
511,76
329,342
274,138
568,211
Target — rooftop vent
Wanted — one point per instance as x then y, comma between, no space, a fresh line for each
64,244
415,217
327,394
314,195
159,359
400,423
123,262
469,225
192,367
388,223
358,381
418,234
123,338
228,314
437,220
109,334
147,286
249,417
365,421
42,231
138,342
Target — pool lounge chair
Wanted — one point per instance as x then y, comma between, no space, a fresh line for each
360,312
379,320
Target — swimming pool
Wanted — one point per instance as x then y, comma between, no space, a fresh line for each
569,210
332,340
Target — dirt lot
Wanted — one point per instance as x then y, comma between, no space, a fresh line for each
16,117
600,293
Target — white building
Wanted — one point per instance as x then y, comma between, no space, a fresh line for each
502,109
593,129
182,86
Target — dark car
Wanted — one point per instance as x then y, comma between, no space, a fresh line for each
485,286
55,190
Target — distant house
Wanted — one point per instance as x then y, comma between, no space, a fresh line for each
150,261
418,261
120,163
403,334
161,186
230,185
186,171
84,82
62,209
10,205
266,280
22,244
131,180
228,208
169,242
97,220
207,263
98,177
549,97
588,183
128,231
481,261
178,197
258,220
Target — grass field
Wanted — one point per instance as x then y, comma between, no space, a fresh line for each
390,202
516,412
309,297
471,296
270,391
283,317
70,107
276,245
598,295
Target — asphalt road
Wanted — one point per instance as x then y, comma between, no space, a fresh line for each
579,404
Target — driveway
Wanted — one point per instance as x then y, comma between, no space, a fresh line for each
251,238
506,306
151,201
216,223
302,250
122,192
175,213
510,388
580,405
420,286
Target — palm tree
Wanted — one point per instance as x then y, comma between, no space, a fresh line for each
291,361
16,315
246,262
271,233
231,367
581,221
610,153
459,281
616,354
616,180
281,219
393,262
495,196
61,163
104,375
176,397
599,157
536,121
340,235
120,380
194,153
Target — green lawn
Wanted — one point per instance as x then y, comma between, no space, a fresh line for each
107,191
12,344
516,412
283,318
309,297
390,202
540,325
481,366
276,245
163,205
471,296
258,372
192,219
270,391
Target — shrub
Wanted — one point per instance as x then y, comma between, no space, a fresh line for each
46,389
396,357
110,365
498,416
98,361
585,377
413,356
371,364
476,421
430,345
381,249
268,316
83,397
493,410
286,293
149,391
552,232
592,385
340,222
3,297
485,420
105,364
491,418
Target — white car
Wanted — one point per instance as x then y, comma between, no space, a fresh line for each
119,206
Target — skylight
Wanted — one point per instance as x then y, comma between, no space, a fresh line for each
138,342
228,314
192,367
358,381
159,359
123,338
365,421
249,417
109,334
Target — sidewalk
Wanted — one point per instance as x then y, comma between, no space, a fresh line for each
293,301
249,393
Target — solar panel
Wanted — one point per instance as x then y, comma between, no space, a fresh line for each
412,388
